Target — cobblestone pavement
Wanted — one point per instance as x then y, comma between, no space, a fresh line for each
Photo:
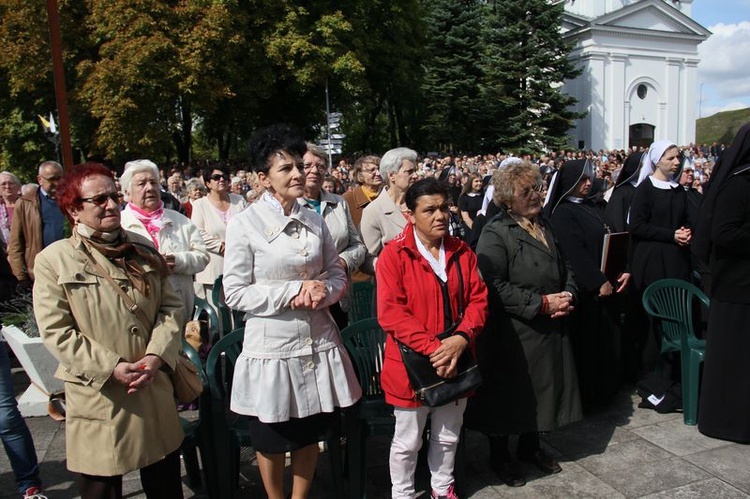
621,451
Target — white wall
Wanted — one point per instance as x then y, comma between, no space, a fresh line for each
614,62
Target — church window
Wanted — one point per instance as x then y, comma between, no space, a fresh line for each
642,91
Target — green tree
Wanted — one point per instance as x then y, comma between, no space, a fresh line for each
526,62
26,86
389,41
453,74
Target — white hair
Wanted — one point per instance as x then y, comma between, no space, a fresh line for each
13,178
137,166
392,160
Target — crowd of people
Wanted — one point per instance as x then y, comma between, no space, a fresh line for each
493,256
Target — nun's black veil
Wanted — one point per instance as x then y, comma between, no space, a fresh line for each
630,169
734,158
565,181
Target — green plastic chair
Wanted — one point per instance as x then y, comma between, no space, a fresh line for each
361,307
231,431
203,307
229,319
671,301
198,435
365,343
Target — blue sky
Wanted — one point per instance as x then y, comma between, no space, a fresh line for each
724,70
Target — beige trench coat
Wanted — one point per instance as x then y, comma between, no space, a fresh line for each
88,328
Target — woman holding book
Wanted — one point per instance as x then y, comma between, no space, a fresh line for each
578,224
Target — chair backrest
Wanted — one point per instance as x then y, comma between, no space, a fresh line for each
202,306
196,360
230,319
361,307
204,401
365,342
220,364
672,301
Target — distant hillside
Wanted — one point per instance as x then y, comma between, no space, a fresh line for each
720,127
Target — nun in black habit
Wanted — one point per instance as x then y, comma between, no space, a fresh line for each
660,232
616,211
660,225
636,324
579,227
724,406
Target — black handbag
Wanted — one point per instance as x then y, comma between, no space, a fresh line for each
429,388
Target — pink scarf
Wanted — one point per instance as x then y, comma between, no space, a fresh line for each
152,220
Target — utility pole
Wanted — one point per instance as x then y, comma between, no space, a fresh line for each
328,127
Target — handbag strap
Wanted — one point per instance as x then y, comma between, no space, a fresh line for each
448,321
134,308
460,289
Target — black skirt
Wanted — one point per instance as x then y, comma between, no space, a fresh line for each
724,408
287,436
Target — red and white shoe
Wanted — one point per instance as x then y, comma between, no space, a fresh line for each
451,494
34,493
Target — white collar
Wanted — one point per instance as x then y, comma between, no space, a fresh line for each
574,199
663,184
276,205
438,266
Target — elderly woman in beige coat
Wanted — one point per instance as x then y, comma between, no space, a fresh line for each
121,414
386,217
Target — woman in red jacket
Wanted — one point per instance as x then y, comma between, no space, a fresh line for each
414,272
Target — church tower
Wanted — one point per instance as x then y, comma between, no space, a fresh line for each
639,61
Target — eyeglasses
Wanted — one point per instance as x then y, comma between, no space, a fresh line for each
309,166
102,199
219,176
538,188
53,178
372,171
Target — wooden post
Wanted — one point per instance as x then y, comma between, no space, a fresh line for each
58,74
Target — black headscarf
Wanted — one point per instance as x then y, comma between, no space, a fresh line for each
630,169
565,181
734,159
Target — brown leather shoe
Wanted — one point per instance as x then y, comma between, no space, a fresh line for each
543,461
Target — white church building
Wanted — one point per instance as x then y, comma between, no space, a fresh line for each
639,61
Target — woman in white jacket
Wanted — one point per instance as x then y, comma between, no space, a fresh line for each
171,233
211,214
282,269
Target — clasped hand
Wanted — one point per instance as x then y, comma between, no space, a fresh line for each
560,304
682,236
445,358
310,296
139,374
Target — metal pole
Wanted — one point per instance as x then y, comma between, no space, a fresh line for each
58,74
328,126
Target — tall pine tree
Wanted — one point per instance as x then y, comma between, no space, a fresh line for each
526,63
453,74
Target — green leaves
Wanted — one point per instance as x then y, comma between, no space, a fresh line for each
146,76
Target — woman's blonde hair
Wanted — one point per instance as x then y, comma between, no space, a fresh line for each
507,179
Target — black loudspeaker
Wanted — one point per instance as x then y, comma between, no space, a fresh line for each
580,145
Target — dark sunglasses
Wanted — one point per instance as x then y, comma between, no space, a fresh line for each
219,176
101,199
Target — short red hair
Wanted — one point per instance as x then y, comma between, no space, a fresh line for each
68,194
